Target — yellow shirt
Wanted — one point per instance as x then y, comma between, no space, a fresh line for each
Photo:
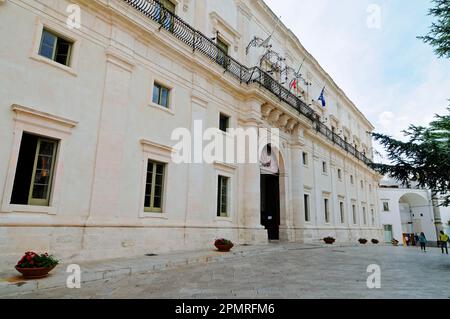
443,237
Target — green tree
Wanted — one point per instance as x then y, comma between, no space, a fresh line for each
439,35
424,158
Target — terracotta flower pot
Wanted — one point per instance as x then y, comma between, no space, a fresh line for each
34,273
224,248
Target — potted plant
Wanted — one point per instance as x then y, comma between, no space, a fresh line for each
374,241
223,244
329,240
362,241
395,242
34,266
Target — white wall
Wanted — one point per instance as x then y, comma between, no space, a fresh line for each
401,203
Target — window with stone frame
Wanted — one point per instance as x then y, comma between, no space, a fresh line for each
324,167
161,95
354,214
342,211
306,207
326,205
166,20
224,122
154,187
222,53
305,158
34,172
222,196
55,47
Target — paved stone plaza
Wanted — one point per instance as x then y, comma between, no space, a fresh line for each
298,272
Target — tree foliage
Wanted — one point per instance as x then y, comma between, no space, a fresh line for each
424,158
439,35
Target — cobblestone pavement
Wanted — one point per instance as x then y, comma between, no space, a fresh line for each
296,273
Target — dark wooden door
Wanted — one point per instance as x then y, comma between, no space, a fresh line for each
270,205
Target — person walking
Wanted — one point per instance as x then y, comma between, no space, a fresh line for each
423,242
443,239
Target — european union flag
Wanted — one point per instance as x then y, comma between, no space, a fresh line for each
322,98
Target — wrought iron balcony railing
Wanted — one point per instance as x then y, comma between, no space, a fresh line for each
167,20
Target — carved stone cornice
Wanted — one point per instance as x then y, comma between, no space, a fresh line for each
274,116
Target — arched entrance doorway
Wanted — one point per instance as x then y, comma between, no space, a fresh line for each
270,192
414,214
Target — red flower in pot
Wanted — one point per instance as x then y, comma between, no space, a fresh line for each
223,244
33,266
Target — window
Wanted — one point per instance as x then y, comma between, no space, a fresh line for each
324,167
362,184
385,206
370,188
341,209
354,213
372,213
305,158
154,188
351,179
166,19
222,45
364,216
326,210
161,95
168,5
222,196
306,207
224,122
34,173
222,53
339,171
55,47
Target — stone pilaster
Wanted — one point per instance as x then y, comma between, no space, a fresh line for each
251,180
297,181
109,164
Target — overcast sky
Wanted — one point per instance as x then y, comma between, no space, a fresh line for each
392,77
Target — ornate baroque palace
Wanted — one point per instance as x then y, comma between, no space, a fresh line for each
88,112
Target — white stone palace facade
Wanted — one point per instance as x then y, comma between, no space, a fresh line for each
88,112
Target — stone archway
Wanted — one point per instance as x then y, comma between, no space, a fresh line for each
413,209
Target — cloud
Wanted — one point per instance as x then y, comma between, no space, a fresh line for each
386,118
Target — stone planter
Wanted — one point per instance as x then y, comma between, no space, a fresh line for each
224,248
34,273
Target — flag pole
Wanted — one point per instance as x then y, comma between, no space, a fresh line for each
296,75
